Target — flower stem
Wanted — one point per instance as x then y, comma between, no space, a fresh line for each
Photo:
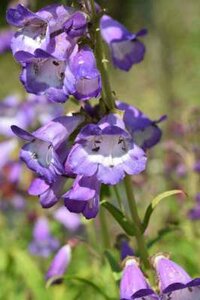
102,61
137,222
104,229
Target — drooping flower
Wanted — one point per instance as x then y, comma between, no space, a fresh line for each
144,131
83,197
133,284
43,244
106,151
126,48
36,29
43,74
70,220
48,193
45,151
175,283
82,78
59,265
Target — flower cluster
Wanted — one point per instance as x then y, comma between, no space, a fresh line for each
55,48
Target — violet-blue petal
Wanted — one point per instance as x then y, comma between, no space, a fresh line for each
76,25
133,284
69,220
126,49
59,264
43,243
82,78
5,40
174,281
144,131
110,153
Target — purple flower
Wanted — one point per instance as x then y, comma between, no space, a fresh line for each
82,78
7,148
43,244
126,49
76,25
43,74
43,110
175,283
133,284
197,166
5,40
36,29
70,220
194,213
124,247
59,265
45,151
144,131
14,111
49,193
83,197
106,151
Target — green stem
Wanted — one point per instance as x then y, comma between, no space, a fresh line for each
136,220
102,61
119,200
104,229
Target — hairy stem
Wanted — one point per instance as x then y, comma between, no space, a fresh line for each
102,61
136,220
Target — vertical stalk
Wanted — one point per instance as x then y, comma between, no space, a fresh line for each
102,61
136,220
104,229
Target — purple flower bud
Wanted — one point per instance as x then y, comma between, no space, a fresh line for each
124,247
174,282
133,284
59,265
43,244
125,47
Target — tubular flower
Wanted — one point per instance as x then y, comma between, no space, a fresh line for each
133,284
175,283
126,49
106,151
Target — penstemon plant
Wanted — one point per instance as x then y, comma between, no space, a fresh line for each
104,142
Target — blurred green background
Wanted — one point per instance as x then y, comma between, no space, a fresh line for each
166,82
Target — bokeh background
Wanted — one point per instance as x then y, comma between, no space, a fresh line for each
166,82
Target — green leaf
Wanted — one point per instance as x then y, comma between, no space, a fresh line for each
154,203
121,219
31,274
116,270
90,283
161,234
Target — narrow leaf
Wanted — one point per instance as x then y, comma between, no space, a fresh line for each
90,283
154,203
121,219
